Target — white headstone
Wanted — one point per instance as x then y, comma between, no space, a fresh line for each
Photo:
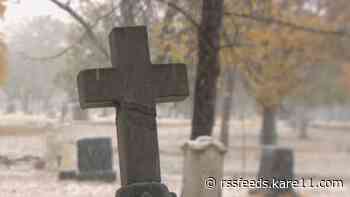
204,158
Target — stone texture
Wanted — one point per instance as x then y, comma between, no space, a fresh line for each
204,158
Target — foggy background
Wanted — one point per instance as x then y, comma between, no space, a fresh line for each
47,47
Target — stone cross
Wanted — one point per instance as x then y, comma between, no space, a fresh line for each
134,85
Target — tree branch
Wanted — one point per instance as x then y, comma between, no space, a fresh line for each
65,50
261,19
182,11
85,25
57,55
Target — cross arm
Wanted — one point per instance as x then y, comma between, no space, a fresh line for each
99,87
170,82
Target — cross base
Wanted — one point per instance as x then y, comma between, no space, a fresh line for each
152,189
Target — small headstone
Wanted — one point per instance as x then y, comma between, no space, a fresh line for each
276,163
204,158
95,159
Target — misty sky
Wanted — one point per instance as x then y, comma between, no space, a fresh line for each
26,9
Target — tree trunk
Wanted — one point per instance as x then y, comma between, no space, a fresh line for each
25,104
10,108
303,120
227,105
208,68
268,132
303,134
127,12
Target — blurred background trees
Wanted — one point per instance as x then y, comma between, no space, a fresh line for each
287,59
31,70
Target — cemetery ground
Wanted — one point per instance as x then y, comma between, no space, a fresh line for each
28,145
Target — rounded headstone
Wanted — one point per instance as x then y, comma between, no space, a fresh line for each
204,158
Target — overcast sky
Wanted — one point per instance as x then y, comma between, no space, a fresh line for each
21,10
29,8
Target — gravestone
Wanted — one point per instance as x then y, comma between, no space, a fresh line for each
134,85
204,158
276,163
95,159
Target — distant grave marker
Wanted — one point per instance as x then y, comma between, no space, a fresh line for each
133,86
95,159
276,163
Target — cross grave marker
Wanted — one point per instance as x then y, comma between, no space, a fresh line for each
134,85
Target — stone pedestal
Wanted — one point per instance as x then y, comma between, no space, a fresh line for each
152,189
204,157
276,163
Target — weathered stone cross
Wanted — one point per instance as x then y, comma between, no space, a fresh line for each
133,86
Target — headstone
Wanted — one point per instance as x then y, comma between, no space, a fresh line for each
134,85
204,160
67,162
276,163
95,159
